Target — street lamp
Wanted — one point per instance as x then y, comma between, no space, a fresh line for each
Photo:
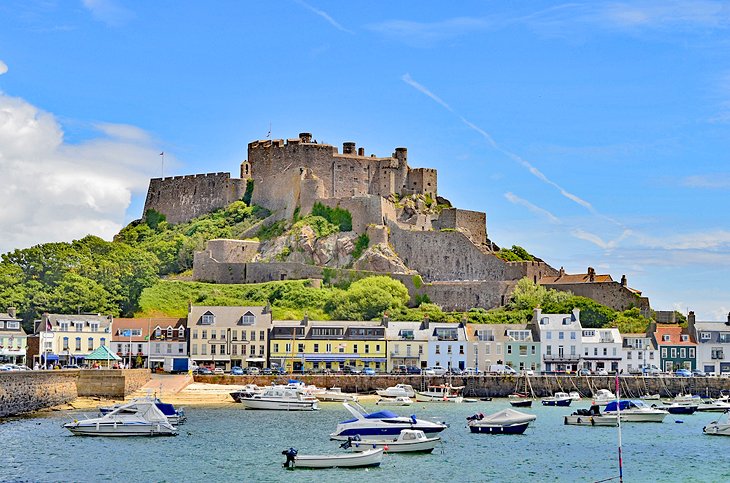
476,358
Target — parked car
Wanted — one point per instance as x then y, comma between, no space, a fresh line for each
413,370
253,371
369,371
501,369
351,370
218,371
683,373
470,371
602,372
434,371
203,371
699,373
651,371
236,371
400,369
71,366
528,372
584,372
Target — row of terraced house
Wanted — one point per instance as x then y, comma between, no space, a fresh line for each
217,336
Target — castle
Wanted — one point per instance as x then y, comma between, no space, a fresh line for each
436,250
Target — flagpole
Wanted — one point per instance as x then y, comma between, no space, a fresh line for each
162,167
618,417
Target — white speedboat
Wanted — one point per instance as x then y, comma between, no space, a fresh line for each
716,406
408,441
370,457
650,397
689,399
506,421
394,401
574,395
333,394
591,417
721,427
246,391
137,418
441,393
557,399
397,391
281,398
381,424
174,416
603,397
634,411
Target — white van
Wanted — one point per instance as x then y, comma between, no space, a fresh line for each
501,369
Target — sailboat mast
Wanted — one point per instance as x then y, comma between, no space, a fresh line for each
618,416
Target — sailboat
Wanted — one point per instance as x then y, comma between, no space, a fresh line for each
522,399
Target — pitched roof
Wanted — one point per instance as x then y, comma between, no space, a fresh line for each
575,278
102,353
674,332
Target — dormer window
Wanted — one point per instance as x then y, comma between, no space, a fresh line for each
158,332
248,319
181,332
665,338
684,338
207,319
566,321
545,321
169,332
706,336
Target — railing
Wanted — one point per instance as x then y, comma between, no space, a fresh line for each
565,357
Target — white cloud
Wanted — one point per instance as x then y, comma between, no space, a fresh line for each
512,198
711,181
3,67
108,11
55,191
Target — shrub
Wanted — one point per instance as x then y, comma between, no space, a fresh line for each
338,216
361,244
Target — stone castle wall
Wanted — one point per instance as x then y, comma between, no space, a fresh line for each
181,198
27,391
610,294
111,383
365,210
474,223
445,256
534,270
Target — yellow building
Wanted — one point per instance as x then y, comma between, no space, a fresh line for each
68,339
318,346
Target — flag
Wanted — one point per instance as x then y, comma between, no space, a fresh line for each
162,153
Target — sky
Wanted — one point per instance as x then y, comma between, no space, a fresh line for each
592,134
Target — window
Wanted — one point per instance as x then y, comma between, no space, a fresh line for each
544,321
682,352
585,351
79,326
448,349
548,335
406,334
566,321
614,351
691,352
94,326
595,351
316,347
328,347
641,354
248,319
261,350
438,349
605,351
243,335
706,336
665,338
628,355
589,333
139,348
684,338
213,334
300,348
181,332
533,350
724,337
548,350
377,347
64,326
572,350
253,335
243,350
276,347
572,335
103,341
420,349
234,334
223,350
674,352
207,319
194,349
485,335
78,343
651,355
523,350
181,348
367,348
234,350
354,348
90,344
561,335
195,334
204,349
509,349
169,348
158,332
212,349
461,350
262,335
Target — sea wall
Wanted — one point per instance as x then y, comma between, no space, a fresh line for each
501,386
111,383
26,391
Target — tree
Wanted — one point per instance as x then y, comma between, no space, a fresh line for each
368,298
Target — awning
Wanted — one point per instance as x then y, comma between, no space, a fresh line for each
399,356
373,359
157,359
341,358
255,359
51,357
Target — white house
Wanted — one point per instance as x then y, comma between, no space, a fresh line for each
713,344
602,349
446,344
560,336
637,352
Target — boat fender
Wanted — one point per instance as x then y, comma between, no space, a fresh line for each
385,448
413,419
593,421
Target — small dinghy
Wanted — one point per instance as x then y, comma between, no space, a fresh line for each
506,421
370,457
408,441
520,400
591,417
394,401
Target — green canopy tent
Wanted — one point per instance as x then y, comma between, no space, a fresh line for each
102,353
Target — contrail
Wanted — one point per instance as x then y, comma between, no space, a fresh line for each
515,157
325,16
512,198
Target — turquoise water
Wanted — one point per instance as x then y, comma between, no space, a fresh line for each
233,444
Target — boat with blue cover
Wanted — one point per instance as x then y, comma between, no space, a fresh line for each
174,416
381,424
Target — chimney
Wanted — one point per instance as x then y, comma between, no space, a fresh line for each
361,151
386,319
536,315
623,280
11,312
425,321
561,272
348,148
691,317
591,274
728,319
305,137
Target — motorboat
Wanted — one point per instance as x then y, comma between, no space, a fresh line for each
520,400
282,398
174,416
650,397
591,417
136,418
603,397
557,399
441,393
408,441
506,421
635,411
394,401
574,395
333,394
687,399
716,406
676,408
721,427
370,457
381,424
397,390
246,391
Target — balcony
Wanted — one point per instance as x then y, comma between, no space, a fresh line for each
561,358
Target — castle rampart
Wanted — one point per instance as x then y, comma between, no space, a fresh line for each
182,198
472,223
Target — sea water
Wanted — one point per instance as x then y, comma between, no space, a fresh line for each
233,444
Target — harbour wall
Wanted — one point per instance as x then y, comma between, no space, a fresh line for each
27,391
501,386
